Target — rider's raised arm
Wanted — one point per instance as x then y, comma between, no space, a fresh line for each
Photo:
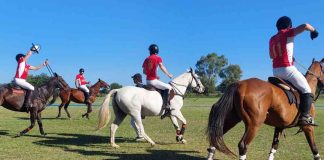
301,28
39,67
28,54
165,70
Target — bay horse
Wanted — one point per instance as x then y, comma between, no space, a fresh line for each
139,102
77,96
13,99
255,102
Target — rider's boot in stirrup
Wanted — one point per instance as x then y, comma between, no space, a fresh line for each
306,101
166,106
86,98
27,102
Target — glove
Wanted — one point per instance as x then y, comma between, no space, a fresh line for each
314,34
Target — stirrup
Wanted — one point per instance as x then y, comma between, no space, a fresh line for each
303,121
167,112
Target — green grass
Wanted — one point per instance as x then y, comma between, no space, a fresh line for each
76,138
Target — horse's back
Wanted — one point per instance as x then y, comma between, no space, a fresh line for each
132,98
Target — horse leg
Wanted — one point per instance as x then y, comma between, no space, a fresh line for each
181,118
40,124
138,121
250,133
66,109
59,111
33,115
275,142
309,133
175,125
89,110
114,126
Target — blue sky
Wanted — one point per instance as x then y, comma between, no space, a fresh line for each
109,39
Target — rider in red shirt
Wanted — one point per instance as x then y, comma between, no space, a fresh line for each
281,52
81,83
150,67
22,74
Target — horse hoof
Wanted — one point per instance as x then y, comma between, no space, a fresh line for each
44,134
152,144
115,146
184,141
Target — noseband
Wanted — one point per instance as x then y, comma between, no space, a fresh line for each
178,92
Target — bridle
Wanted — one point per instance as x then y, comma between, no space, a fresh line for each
57,77
177,90
320,85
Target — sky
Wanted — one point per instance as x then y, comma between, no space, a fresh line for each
110,39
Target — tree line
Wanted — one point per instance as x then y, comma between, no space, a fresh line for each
213,69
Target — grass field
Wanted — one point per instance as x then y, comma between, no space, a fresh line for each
76,138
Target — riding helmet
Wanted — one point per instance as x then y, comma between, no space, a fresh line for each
137,76
81,70
153,49
18,56
283,22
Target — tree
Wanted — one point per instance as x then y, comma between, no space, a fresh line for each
208,67
115,85
38,80
230,74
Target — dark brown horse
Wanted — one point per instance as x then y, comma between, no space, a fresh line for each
77,96
13,99
255,102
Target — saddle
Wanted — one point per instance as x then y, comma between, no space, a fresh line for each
291,92
14,88
152,88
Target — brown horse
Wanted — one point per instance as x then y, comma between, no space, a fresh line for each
13,99
255,102
77,96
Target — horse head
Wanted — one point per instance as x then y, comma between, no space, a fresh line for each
195,83
317,70
103,84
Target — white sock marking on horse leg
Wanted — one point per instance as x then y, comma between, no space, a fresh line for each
317,155
243,157
272,153
211,152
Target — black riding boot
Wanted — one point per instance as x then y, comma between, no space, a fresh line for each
86,98
27,102
306,101
166,107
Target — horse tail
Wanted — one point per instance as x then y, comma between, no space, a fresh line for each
55,95
221,111
104,114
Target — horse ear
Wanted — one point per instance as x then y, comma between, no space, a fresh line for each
313,60
322,60
55,74
99,79
190,70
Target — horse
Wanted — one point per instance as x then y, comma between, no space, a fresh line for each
255,102
13,99
77,96
139,102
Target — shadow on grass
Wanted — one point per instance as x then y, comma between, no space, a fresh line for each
4,132
67,142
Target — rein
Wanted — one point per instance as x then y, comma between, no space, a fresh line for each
317,77
178,92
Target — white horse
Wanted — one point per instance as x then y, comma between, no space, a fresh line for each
137,101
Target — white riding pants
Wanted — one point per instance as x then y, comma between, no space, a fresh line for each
24,84
292,75
84,88
159,84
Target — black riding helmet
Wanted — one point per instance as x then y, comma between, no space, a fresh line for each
18,56
81,70
153,49
137,76
283,22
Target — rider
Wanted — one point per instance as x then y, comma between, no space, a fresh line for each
81,83
150,67
281,53
22,74
137,79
